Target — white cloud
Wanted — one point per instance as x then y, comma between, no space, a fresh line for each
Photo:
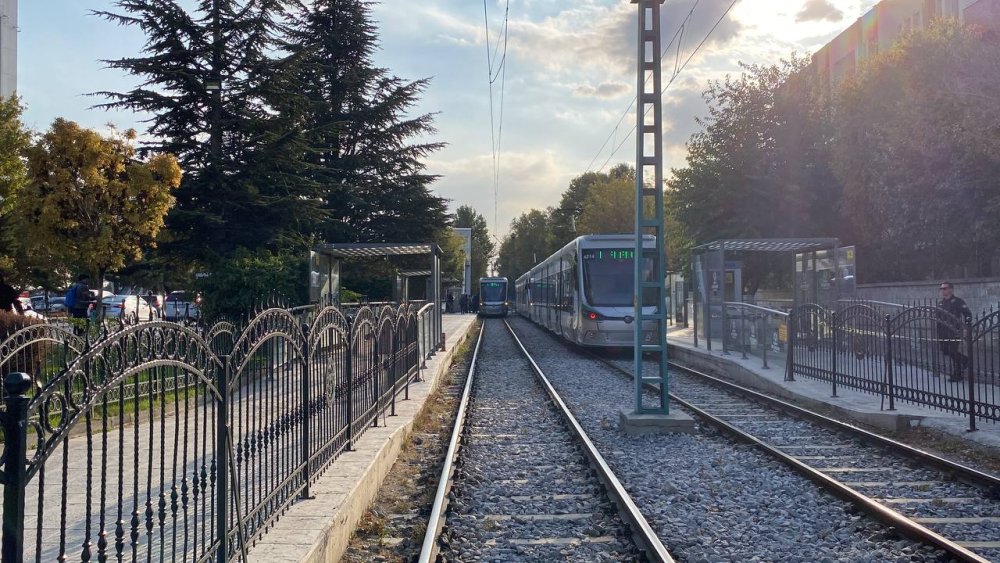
604,90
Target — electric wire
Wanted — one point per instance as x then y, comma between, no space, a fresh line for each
496,71
677,33
671,81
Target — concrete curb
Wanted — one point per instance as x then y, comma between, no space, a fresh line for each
319,530
732,371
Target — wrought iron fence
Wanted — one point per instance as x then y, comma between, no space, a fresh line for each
161,441
916,354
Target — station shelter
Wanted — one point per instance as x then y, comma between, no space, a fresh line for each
823,274
325,267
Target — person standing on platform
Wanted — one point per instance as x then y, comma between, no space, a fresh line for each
450,307
950,340
463,303
475,304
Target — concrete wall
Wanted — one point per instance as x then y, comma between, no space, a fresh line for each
980,294
8,47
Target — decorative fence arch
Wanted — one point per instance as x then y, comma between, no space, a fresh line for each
165,441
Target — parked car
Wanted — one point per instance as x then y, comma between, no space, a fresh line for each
129,306
182,305
56,305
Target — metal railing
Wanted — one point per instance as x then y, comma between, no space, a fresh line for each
160,441
753,329
921,355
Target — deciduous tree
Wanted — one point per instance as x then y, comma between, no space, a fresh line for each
14,142
89,202
916,149
527,244
482,243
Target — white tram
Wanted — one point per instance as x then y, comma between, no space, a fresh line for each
493,296
585,291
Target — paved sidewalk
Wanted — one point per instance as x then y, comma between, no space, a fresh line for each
850,403
320,528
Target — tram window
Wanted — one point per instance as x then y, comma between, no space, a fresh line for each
608,277
492,292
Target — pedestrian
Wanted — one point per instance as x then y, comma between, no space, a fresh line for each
9,297
78,299
475,303
463,303
950,335
450,307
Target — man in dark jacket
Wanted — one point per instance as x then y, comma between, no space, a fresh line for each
950,334
81,297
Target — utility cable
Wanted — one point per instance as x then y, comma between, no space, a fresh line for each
635,98
671,81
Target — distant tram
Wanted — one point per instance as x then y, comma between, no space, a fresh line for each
493,296
585,291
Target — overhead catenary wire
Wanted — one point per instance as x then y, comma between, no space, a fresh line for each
672,79
496,71
625,113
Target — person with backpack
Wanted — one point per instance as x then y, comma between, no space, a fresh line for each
78,297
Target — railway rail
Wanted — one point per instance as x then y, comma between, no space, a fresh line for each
521,479
926,497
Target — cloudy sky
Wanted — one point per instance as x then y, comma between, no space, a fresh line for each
569,78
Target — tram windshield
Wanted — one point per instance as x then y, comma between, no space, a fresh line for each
608,278
492,291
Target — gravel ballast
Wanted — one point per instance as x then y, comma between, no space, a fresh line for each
523,491
708,498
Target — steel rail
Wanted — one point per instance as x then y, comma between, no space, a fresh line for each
884,514
429,550
641,530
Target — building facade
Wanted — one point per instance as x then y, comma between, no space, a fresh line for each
880,28
8,47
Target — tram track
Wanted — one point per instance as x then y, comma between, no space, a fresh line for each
521,479
924,496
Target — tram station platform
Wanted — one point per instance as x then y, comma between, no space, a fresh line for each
850,405
319,529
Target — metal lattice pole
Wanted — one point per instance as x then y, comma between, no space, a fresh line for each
649,211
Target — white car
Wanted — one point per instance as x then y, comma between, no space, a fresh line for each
129,306
182,305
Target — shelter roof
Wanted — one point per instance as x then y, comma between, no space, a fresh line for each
771,245
376,249
414,273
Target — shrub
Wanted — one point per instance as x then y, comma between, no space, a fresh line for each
239,284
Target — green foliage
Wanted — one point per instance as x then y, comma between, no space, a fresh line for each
482,243
365,146
759,168
916,146
452,254
254,193
241,283
564,219
14,142
609,207
526,245
89,203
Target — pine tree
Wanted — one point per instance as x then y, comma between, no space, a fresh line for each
252,195
375,187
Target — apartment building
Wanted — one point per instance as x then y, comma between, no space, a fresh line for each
879,28
8,47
